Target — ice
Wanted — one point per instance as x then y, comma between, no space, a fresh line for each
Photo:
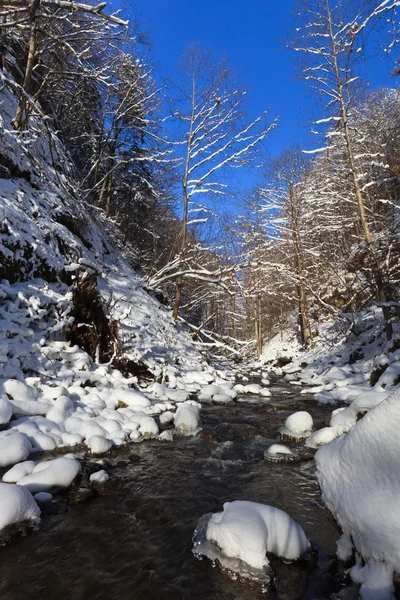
13,449
43,497
245,531
187,419
99,477
298,425
17,505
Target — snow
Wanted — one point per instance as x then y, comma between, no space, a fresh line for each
359,475
320,437
17,505
277,451
18,471
99,444
166,436
187,419
99,477
13,449
246,531
59,472
298,425
5,411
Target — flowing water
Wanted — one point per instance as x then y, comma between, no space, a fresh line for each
135,542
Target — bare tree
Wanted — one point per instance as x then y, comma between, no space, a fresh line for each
213,138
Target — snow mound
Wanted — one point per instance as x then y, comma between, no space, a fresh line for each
99,477
13,449
17,505
99,444
19,471
320,437
187,419
359,474
244,532
278,453
59,472
298,425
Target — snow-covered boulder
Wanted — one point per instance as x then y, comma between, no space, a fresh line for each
17,505
187,419
99,477
359,474
13,449
297,426
166,436
59,472
131,398
18,471
320,437
278,453
5,411
99,444
246,531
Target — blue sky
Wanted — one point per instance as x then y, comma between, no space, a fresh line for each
251,34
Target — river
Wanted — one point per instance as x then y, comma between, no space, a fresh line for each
134,542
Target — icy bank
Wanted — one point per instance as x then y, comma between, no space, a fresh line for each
241,535
359,474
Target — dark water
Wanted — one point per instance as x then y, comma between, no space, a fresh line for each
136,542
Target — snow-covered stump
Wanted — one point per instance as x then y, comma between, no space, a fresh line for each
240,536
298,426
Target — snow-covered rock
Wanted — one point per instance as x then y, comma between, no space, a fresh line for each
246,531
359,474
18,471
59,472
99,477
187,419
13,449
99,444
5,411
320,437
298,425
17,505
277,452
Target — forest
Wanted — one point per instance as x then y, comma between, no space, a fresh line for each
167,276
316,236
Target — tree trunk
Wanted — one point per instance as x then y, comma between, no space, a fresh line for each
21,115
179,279
3,46
381,294
304,319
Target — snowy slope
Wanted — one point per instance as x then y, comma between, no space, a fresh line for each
53,394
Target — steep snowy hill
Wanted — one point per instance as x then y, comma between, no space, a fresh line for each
88,357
